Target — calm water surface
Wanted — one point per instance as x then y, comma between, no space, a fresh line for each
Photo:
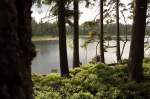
48,55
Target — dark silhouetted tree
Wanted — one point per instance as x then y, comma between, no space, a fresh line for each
137,44
62,38
102,58
118,32
16,50
76,35
27,49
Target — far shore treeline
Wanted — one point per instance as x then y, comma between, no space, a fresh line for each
51,29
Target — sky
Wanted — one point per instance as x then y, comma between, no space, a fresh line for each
88,14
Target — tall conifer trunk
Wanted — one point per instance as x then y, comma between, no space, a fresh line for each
62,38
118,32
14,72
136,56
76,35
27,49
102,58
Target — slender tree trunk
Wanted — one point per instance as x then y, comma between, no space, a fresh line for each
118,32
102,59
76,35
27,49
62,39
14,82
97,57
136,56
126,34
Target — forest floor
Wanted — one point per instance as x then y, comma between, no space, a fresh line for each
93,81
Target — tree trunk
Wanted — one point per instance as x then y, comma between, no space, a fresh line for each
62,39
118,32
14,82
27,49
136,56
76,35
102,59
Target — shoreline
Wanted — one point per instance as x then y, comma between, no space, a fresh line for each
52,38
56,38
44,38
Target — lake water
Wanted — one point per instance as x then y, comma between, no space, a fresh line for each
48,54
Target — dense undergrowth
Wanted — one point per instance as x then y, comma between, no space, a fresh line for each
93,82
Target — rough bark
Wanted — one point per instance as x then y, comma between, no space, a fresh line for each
118,32
27,50
136,56
76,35
62,38
102,59
15,73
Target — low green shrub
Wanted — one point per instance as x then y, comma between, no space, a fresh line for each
92,82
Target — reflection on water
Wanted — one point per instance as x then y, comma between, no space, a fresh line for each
48,55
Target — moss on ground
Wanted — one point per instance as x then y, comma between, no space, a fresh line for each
93,82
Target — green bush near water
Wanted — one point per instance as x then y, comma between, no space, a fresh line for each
92,82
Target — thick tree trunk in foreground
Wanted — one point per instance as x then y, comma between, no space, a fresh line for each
118,32
10,78
15,70
76,35
27,50
102,58
62,39
137,44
